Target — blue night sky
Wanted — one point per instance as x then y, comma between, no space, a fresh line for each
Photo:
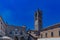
21,12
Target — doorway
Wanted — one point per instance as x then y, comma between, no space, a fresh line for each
16,38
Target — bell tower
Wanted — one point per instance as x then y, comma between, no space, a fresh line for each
38,20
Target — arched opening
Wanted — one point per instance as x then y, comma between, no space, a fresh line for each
16,38
29,38
22,38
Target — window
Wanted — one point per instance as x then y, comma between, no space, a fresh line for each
1,22
59,33
16,32
21,33
51,34
36,16
11,32
45,34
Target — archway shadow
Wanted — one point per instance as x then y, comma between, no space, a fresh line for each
16,38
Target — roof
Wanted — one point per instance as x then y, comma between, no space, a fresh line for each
33,35
33,30
52,27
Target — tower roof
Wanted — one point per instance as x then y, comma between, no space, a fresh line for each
38,11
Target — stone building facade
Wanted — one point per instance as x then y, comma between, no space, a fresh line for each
17,32
51,32
2,27
13,32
